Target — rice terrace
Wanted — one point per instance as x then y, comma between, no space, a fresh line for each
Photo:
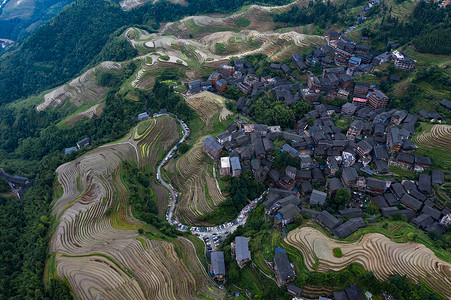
207,149
192,173
96,247
375,252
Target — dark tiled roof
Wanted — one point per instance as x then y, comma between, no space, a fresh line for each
283,265
411,202
380,201
328,220
318,197
434,213
242,248
349,227
438,177
217,262
424,184
388,211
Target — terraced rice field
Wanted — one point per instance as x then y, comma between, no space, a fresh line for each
376,253
439,136
98,250
209,106
157,139
83,89
192,174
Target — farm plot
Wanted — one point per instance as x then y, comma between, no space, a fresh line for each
161,134
439,136
96,245
376,253
83,89
192,174
209,106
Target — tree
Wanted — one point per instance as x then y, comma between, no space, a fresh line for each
341,199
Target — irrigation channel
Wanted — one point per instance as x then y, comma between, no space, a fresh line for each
214,234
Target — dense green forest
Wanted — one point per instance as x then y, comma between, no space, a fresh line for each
18,28
428,28
62,48
320,13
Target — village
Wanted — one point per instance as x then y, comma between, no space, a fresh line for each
328,159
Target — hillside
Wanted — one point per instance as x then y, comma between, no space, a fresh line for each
96,246
19,19
98,66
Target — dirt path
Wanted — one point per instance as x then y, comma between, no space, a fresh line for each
376,253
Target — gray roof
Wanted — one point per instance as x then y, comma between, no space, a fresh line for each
424,160
409,185
289,211
398,190
365,146
351,212
380,201
291,169
270,200
217,262
294,288
335,184
242,248
354,292
381,166
84,142
349,227
434,213
350,173
268,145
374,183
423,220
340,295
388,211
411,202
290,199
328,220
438,177
212,144
391,199
416,194
235,163
318,197
424,184
290,150
283,265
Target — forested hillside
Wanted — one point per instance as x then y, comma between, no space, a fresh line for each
59,50
19,18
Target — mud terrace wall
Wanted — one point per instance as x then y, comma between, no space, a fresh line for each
376,253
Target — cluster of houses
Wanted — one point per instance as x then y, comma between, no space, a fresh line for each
80,144
358,159
344,58
240,252
18,185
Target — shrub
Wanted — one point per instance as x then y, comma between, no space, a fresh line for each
337,252
164,57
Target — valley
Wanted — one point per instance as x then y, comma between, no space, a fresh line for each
231,150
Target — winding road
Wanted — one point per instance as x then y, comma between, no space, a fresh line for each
205,233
